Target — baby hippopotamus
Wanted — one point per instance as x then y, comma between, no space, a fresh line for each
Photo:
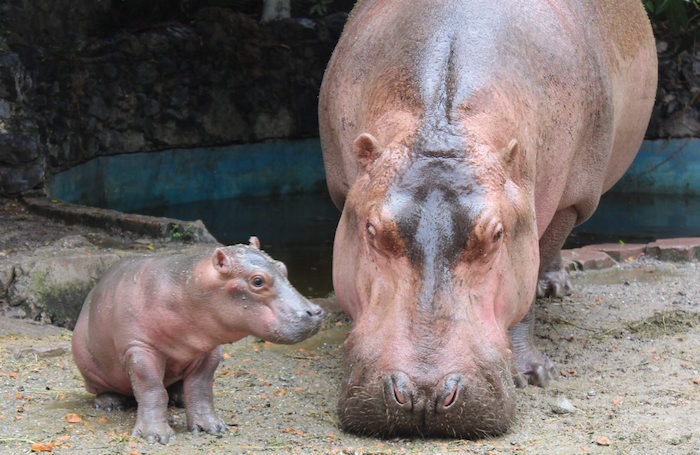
157,322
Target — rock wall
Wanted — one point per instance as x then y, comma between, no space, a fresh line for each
81,79
73,88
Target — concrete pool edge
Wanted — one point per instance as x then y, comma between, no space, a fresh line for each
158,227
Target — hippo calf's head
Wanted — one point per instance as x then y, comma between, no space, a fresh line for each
434,258
257,298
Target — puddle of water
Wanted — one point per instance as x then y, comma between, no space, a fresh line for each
632,275
334,336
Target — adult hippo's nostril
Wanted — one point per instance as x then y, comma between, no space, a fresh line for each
448,393
399,390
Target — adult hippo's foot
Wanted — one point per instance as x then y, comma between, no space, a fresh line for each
554,280
108,401
529,361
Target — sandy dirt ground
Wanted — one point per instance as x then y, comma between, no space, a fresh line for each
626,344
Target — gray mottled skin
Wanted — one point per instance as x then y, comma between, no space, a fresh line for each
153,323
463,140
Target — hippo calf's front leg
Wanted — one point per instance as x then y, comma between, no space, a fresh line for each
146,371
199,396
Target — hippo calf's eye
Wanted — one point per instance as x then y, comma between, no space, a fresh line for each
257,281
371,230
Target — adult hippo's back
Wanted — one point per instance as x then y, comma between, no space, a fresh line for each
463,141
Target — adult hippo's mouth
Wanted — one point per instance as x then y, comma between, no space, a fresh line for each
467,403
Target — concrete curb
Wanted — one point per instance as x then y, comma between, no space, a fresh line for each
158,227
602,256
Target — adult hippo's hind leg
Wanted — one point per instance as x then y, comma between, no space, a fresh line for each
554,280
108,401
529,361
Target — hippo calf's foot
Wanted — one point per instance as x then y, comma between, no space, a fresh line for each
108,401
529,361
208,422
153,431
554,281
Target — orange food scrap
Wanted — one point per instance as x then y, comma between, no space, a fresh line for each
13,374
339,324
133,452
299,389
287,430
42,446
73,418
280,392
101,420
603,441
226,356
616,402
696,381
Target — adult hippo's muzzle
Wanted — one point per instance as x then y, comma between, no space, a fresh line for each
389,402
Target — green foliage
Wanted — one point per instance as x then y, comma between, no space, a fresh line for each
679,17
177,233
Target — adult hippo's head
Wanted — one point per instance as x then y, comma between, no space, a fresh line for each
435,258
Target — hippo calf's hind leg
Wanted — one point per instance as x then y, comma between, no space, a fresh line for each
108,401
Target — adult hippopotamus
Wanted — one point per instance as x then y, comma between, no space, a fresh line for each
463,140
153,323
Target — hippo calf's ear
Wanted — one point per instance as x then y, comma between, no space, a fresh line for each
254,242
367,149
222,262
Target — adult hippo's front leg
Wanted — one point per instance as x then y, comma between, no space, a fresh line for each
535,366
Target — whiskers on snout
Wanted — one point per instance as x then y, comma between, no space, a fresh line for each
458,405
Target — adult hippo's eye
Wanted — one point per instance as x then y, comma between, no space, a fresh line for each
498,233
371,230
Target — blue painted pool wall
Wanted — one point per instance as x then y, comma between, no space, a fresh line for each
669,167
133,181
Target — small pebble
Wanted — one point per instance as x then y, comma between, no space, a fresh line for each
563,406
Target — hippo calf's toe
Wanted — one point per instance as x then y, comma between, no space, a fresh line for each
463,140
153,323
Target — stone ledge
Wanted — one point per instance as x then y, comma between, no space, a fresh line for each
151,226
602,256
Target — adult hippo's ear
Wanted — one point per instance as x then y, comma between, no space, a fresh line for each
515,162
367,149
254,242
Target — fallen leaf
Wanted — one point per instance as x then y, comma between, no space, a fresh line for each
42,446
603,441
73,418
